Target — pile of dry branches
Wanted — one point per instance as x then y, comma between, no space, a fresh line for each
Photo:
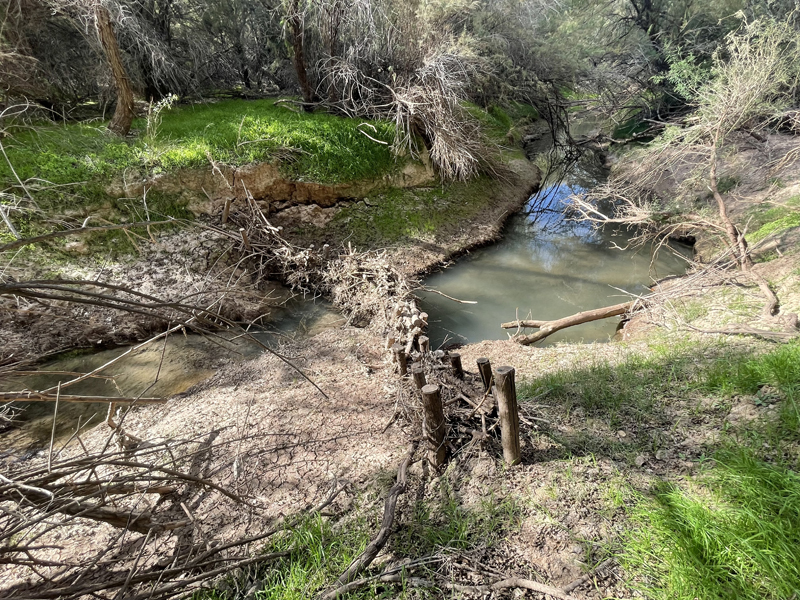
146,494
365,285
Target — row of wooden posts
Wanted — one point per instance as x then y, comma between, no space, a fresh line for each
500,384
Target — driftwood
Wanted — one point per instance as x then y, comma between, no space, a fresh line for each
365,558
547,328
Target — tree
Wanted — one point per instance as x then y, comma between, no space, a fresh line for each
296,11
124,112
101,15
751,83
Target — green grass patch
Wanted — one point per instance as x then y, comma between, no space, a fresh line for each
737,535
777,226
742,374
636,392
321,549
764,222
318,555
447,524
734,530
315,147
399,215
503,125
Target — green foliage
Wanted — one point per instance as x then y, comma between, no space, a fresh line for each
737,536
686,73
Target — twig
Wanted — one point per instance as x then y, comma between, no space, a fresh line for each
433,291
53,432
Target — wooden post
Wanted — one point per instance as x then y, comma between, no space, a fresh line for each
509,414
424,344
485,369
245,239
455,365
419,375
433,425
226,211
401,358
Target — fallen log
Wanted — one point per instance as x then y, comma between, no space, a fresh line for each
547,328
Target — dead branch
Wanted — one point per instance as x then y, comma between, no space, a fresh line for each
547,328
586,577
27,396
47,501
772,336
375,546
77,231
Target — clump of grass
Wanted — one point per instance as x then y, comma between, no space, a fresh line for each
450,525
503,125
319,554
764,222
782,224
739,374
736,536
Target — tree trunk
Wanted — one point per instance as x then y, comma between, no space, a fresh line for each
297,33
124,112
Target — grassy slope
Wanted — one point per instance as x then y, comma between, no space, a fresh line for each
733,529
315,147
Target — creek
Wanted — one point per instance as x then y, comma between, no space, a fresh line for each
158,370
545,267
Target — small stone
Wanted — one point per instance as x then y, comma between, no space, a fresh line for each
640,460
77,247
662,455
622,434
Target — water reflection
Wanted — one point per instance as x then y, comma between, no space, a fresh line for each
545,267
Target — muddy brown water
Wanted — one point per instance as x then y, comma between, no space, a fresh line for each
158,370
546,267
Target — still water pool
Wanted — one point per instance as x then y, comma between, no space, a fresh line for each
545,267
